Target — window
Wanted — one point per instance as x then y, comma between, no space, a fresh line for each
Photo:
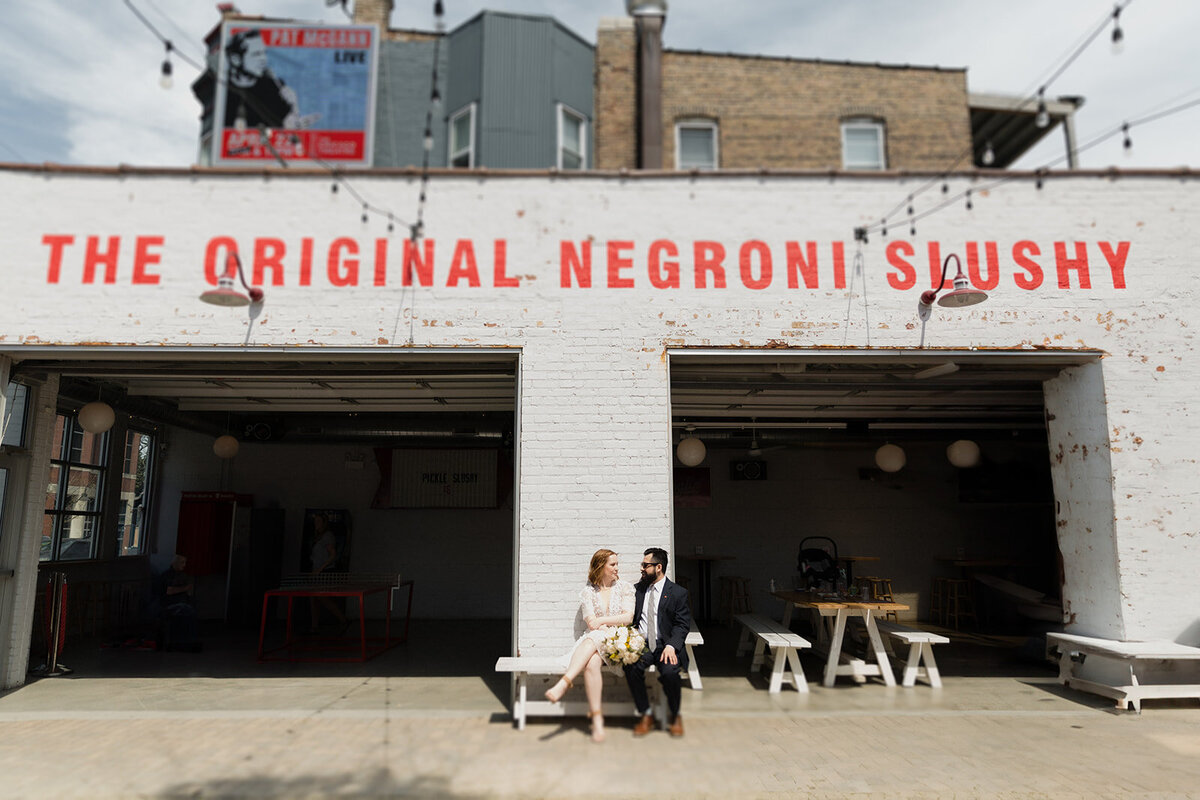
16,409
696,144
71,526
136,481
862,144
572,139
462,138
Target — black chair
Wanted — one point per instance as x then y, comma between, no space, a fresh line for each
817,565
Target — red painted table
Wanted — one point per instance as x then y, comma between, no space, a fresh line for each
317,650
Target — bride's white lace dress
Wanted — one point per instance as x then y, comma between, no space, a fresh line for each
620,602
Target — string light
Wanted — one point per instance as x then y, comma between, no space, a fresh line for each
989,155
1128,143
391,224
1043,116
969,204
1118,35
1054,72
364,216
165,81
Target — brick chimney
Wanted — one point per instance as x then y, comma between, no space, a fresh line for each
374,12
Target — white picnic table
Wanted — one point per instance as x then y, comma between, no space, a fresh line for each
829,621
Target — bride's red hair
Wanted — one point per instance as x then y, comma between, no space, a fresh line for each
596,569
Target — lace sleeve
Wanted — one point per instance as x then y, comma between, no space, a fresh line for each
587,601
626,597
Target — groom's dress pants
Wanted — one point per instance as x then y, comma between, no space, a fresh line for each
668,677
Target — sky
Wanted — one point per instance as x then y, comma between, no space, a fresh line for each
79,79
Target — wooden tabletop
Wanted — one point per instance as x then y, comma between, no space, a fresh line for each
813,600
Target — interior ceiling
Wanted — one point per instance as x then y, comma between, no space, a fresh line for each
331,398
917,392
730,396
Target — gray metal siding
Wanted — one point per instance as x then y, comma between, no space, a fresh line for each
402,100
466,70
574,84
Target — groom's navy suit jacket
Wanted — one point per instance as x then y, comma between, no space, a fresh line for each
674,619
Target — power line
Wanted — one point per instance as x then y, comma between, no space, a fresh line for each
1123,128
10,149
1063,62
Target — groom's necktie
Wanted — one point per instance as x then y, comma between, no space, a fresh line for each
651,612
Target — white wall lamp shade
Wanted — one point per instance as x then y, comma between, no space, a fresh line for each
225,446
96,417
963,454
691,451
890,458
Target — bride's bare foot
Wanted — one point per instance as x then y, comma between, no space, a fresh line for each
597,718
556,692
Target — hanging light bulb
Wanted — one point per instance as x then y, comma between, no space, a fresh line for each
1128,143
239,122
883,227
428,141
391,224
963,454
945,187
1039,179
970,205
364,216
436,97
165,80
989,155
1043,116
1118,35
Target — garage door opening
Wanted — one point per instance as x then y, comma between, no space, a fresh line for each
396,465
912,466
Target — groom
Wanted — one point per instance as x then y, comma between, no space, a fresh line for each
661,615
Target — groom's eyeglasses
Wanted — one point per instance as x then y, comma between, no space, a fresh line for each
648,564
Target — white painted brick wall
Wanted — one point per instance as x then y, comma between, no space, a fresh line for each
595,464
15,638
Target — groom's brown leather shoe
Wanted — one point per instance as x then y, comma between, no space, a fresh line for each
643,726
676,727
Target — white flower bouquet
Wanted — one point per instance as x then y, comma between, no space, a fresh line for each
621,645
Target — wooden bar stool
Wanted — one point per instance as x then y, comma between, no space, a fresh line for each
735,597
881,590
937,601
959,602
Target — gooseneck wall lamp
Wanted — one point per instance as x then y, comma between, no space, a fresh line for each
226,294
961,296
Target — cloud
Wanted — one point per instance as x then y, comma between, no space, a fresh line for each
88,87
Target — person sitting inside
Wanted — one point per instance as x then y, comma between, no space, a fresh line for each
174,589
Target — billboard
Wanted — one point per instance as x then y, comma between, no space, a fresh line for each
311,86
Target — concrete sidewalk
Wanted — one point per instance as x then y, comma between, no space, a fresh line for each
378,736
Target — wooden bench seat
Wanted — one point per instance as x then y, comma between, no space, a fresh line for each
535,674
1128,672
920,649
784,646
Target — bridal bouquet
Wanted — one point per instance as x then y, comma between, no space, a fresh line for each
622,645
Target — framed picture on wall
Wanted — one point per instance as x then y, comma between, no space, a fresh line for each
325,545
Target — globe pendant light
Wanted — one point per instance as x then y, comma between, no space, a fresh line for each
691,450
225,446
96,417
890,458
963,454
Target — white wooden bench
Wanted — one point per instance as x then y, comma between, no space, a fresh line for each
784,645
535,674
1128,672
920,649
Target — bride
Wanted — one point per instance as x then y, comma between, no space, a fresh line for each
606,601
